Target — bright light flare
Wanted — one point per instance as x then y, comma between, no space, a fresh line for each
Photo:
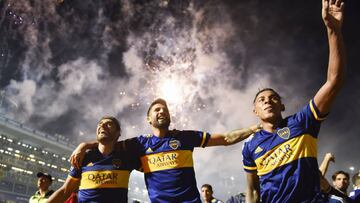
177,89
171,92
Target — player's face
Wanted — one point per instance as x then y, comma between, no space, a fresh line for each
159,116
106,131
43,183
206,194
341,182
268,106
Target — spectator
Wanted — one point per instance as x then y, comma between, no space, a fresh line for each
207,194
239,198
355,195
340,179
43,183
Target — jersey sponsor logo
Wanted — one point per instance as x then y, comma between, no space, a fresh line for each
299,147
167,160
116,163
284,133
104,179
279,154
174,144
258,149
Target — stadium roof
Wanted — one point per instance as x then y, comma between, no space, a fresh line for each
20,132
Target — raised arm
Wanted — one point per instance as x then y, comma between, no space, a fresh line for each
232,137
325,163
332,14
252,188
62,194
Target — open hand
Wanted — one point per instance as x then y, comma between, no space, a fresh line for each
333,13
77,157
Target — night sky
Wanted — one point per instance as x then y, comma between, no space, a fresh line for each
64,64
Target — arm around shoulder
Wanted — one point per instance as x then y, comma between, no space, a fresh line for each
233,136
78,154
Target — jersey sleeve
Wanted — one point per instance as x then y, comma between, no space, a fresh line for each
133,148
75,173
196,138
310,118
248,161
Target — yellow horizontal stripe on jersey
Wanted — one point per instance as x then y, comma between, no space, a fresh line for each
167,160
291,150
69,176
317,117
104,179
250,167
203,139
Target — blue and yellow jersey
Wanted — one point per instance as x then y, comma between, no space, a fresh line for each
336,199
168,165
214,200
286,160
106,178
355,195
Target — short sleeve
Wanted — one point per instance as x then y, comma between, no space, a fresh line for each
133,149
248,161
75,173
195,138
310,118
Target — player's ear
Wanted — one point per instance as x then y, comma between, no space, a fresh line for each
282,107
255,112
148,120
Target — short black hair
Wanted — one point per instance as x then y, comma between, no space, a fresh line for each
113,119
340,172
266,89
208,186
156,101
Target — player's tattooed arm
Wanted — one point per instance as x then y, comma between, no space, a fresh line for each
233,136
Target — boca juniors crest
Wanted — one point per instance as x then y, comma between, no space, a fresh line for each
174,144
284,133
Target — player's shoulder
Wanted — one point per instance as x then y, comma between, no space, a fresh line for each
176,132
145,136
252,138
252,142
91,152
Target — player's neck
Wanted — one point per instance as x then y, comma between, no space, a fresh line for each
159,132
43,191
106,148
343,191
209,201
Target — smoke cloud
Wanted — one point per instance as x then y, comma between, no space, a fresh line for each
68,63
